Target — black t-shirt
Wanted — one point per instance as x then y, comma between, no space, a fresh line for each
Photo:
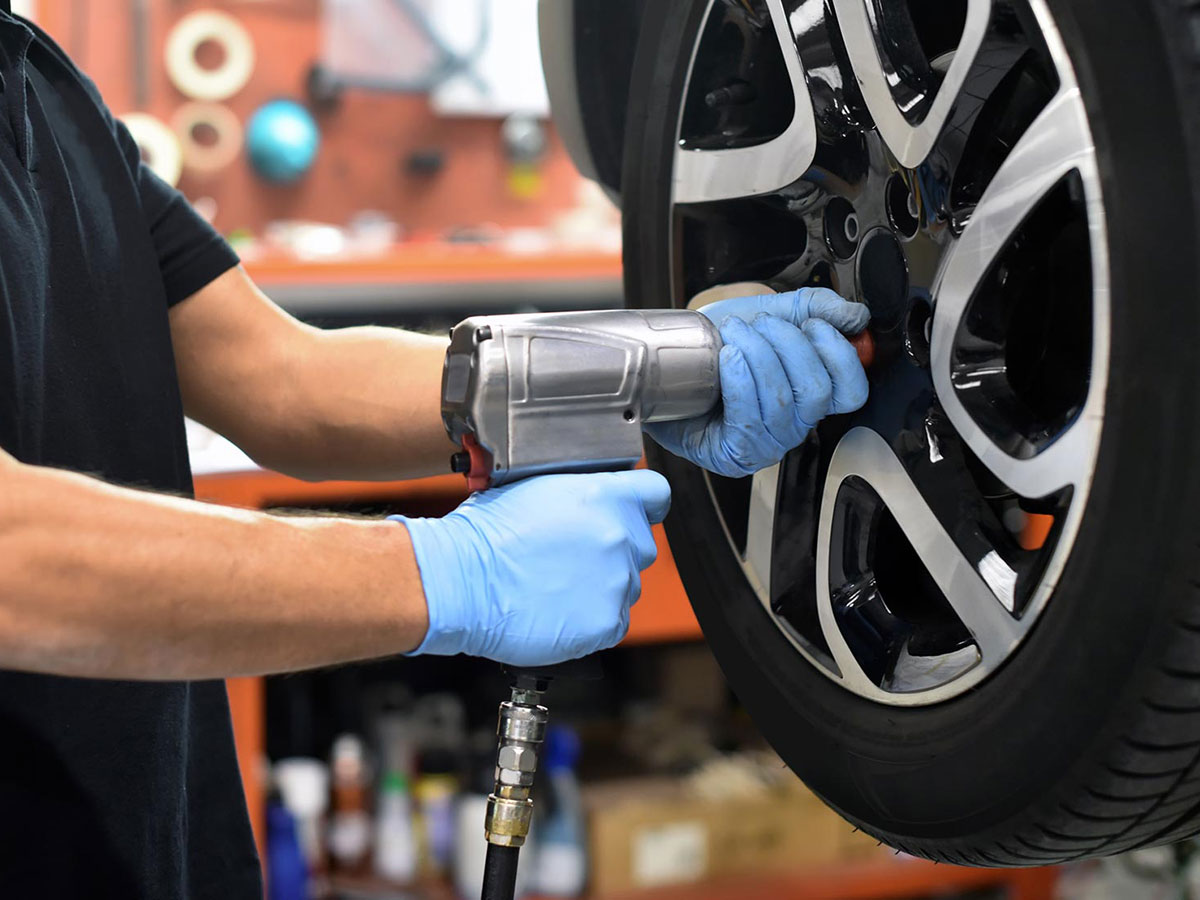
107,789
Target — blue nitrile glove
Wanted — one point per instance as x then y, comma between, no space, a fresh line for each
785,366
539,571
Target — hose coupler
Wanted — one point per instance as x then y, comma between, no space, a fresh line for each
521,730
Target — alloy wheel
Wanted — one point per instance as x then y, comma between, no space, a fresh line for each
934,161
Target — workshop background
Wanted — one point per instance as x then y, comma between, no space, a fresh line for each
392,162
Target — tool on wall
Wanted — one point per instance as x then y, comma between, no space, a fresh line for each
209,134
282,139
158,145
209,26
524,139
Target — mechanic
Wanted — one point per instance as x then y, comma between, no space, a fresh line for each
122,603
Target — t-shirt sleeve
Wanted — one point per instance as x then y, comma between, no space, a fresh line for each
190,251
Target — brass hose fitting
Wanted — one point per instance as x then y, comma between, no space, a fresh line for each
521,729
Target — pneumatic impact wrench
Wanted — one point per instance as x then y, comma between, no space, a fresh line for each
527,395
530,395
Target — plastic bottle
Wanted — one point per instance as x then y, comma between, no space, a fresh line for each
435,799
349,823
442,748
395,837
285,860
561,862
303,784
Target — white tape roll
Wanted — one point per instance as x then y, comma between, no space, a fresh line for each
205,156
159,146
185,71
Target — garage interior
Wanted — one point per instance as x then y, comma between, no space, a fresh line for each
395,162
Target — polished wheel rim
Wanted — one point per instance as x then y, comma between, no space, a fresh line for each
934,161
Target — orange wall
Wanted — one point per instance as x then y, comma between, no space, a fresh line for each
364,142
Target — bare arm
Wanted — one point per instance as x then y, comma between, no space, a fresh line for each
359,403
106,582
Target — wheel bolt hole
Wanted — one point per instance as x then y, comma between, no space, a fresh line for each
901,207
842,229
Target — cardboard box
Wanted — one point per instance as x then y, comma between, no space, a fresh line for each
653,832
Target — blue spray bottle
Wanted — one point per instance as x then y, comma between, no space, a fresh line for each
561,859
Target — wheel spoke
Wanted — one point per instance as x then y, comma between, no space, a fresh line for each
910,143
865,454
760,530
704,175
1057,143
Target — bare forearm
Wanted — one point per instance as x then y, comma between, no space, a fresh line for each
106,582
358,403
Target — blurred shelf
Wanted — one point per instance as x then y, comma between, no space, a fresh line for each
439,261
422,277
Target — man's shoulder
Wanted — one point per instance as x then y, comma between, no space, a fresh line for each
62,58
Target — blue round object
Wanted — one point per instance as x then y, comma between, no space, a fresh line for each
282,140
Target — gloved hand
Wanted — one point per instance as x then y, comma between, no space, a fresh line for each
539,571
785,366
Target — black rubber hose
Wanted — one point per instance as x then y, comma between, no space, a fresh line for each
500,873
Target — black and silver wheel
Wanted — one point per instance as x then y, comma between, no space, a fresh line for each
966,615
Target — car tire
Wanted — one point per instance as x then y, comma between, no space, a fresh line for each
1085,740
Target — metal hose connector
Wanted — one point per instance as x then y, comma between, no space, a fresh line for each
521,730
